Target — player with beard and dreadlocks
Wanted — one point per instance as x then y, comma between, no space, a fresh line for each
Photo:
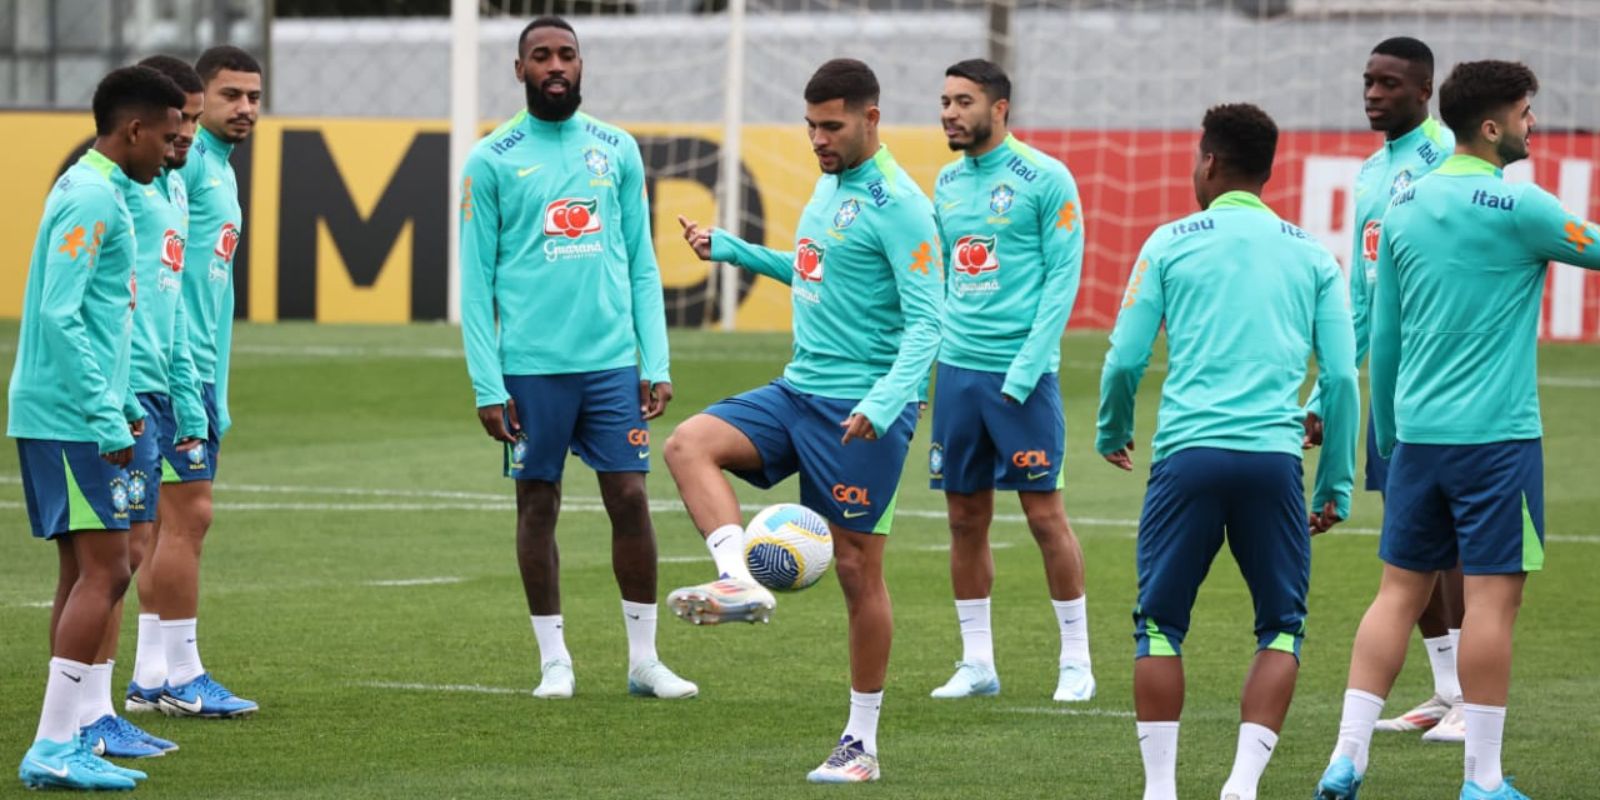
555,247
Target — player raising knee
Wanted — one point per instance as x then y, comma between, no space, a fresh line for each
1246,299
1461,272
865,277
1012,229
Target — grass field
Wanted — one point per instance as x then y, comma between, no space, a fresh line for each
361,584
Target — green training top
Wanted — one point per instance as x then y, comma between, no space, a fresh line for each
160,350
215,224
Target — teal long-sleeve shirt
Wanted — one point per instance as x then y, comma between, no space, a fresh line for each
216,223
160,350
866,281
1461,274
556,248
70,380
1012,228
1247,299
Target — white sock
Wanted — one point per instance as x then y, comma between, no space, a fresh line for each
1158,744
1485,727
1361,712
150,657
977,640
727,549
183,655
552,642
1073,617
863,724
640,619
1442,654
1256,743
63,697
95,701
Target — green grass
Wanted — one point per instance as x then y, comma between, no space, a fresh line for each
362,429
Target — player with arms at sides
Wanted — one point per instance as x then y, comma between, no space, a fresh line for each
70,409
170,583
161,376
1399,82
865,276
1012,227
1247,299
555,247
1461,272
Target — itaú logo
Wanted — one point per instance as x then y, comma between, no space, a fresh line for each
572,217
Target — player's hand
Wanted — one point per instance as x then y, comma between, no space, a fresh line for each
185,445
857,427
653,399
118,458
1313,436
921,407
1010,401
500,422
136,428
1121,459
1327,518
699,240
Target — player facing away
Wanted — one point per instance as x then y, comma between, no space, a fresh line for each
1246,299
865,276
555,245
1398,83
170,586
70,411
1012,228
1461,272
161,376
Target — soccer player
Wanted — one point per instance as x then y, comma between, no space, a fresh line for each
555,247
232,104
1461,272
1399,82
161,375
866,327
1246,299
1012,228
70,411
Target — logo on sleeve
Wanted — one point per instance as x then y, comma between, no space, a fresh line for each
848,211
1580,234
572,217
923,257
808,260
1137,281
72,243
1369,240
1067,217
976,254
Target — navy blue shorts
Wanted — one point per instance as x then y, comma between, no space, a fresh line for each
69,488
853,486
198,464
1195,496
595,415
156,459
982,441
1377,466
1481,506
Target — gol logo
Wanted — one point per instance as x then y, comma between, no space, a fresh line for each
851,495
639,437
172,250
975,254
1369,240
1030,458
227,242
571,217
808,260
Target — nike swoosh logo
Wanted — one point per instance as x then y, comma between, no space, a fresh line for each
644,453
59,773
191,641
73,678
1444,649
1144,737
718,543
191,706
963,621
632,616
951,204
526,171
854,514
1070,621
1264,745
99,748
1033,476
216,181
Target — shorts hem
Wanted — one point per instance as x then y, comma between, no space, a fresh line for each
1414,566
1030,486
1499,569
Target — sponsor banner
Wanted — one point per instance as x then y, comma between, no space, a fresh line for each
345,220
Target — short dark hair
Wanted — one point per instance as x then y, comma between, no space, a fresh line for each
132,90
177,70
1242,137
843,79
1476,90
547,21
1406,48
996,85
225,57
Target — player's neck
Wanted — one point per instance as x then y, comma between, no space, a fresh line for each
988,145
1248,187
1399,131
216,138
1482,150
113,150
867,154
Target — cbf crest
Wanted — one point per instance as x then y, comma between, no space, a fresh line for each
597,162
1401,183
1002,198
847,213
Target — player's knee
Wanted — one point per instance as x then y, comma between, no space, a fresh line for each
682,445
627,499
968,521
1048,526
110,576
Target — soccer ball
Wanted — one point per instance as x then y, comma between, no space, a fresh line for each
787,547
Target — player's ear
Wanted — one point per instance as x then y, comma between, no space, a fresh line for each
1489,129
517,65
1003,108
873,114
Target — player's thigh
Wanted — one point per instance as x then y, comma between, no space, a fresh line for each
1496,496
961,456
763,419
610,433
70,488
854,486
1418,530
1269,536
1180,531
1031,437
547,415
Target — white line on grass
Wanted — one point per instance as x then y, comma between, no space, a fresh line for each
463,688
439,581
1068,712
